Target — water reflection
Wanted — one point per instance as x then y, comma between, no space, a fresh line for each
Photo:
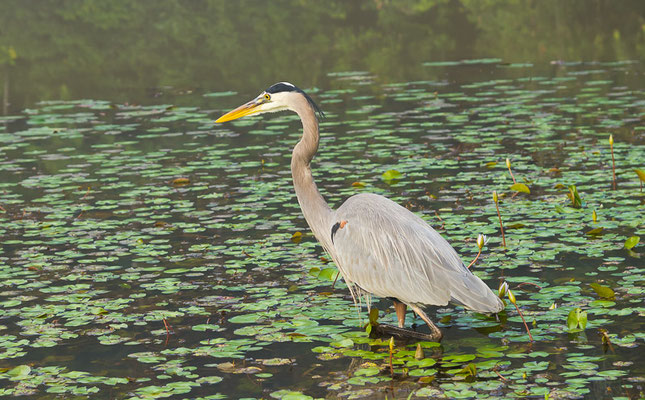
137,51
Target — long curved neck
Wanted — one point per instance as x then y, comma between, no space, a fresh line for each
314,207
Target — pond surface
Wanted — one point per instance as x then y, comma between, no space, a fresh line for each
149,253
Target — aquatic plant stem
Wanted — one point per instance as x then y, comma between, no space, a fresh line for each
500,375
475,260
391,348
443,223
335,279
513,300
501,226
529,283
523,320
613,160
508,165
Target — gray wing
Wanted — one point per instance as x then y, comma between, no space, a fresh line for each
390,252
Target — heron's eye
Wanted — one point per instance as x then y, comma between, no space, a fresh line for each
267,96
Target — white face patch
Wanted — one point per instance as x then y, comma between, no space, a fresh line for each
278,102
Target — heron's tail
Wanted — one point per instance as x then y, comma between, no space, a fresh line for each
472,293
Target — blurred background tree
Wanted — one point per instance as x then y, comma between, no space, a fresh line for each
130,50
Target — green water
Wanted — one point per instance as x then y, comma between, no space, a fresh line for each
124,206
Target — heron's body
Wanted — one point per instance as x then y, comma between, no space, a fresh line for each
391,252
379,247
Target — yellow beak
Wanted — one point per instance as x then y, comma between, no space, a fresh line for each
249,108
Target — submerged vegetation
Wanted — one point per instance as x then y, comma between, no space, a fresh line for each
148,253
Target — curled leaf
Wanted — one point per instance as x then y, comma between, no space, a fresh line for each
373,316
577,320
641,174
296,237
576,201
180,181
391,175
520,187
418,354
631,242
603,291
469,370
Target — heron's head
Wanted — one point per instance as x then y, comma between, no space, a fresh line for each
278,97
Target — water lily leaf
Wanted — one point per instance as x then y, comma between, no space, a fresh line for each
211,255
369,371
577,320
631,242
328,274
520,187
595,231
422,372
422,363
19,372
205,327
391,175
603,291
469,370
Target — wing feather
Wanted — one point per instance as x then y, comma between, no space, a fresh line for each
387,250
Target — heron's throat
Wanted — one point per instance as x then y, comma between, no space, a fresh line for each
314,207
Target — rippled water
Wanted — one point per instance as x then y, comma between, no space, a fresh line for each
118,217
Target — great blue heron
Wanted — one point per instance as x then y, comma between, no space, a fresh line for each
378,246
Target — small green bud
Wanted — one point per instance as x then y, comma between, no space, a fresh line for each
511,296
503,288
481,241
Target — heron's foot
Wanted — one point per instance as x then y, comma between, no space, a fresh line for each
434,331
402,333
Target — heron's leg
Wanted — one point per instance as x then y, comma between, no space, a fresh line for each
400,312
436,333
